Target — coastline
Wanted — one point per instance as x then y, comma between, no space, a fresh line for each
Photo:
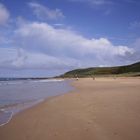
105,108
34,92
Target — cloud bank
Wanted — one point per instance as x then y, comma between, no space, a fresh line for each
42,46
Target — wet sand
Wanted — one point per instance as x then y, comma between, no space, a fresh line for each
101,109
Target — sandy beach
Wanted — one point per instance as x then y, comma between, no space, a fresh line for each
101,109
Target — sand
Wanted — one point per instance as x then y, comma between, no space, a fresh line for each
101,109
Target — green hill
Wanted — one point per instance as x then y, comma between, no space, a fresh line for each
129,70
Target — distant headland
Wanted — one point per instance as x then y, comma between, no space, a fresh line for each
127,70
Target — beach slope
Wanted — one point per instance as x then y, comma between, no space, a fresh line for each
101,109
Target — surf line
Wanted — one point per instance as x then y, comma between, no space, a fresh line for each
10,117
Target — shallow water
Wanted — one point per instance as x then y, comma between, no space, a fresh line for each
16,96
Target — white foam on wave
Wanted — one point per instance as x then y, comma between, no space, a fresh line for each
9,118
26,81
48,80
16,109
11,83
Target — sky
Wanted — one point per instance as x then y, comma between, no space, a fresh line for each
49,37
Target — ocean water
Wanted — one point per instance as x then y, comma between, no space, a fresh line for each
18,95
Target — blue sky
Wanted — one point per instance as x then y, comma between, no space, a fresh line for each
49,37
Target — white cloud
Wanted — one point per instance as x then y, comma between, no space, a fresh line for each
18,58
71,49
41,46
136,47
43,12
4,14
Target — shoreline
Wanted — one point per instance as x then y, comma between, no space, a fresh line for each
8,111
84,113
9,118
15,109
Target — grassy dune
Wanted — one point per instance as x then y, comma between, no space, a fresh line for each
129,70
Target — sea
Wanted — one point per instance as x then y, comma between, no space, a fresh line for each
18,95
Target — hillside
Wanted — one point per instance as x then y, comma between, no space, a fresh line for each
132,70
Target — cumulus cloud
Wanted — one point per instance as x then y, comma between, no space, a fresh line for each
43,12
53,46
41,46
136,47
4,14
18,58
